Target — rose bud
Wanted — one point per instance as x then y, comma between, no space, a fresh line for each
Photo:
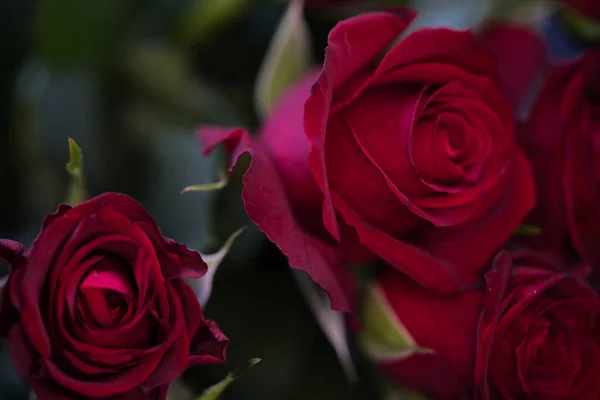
97,307
531,332
411,158
562,140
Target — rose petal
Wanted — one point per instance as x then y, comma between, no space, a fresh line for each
30,317
420,370
172,364
127,380
364,183
62,209
22,353
558,141
543,141
64,283
470,246
427,270
80,366
209,345
284,140
267,206
443,323
110,278
58,229
460,49
190,262
496,283
191,309
107,278
12,253
509,43
370,34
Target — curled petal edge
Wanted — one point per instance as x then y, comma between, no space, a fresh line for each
268,207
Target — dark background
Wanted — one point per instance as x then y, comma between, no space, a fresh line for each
121,78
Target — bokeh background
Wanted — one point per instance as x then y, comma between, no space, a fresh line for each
130,81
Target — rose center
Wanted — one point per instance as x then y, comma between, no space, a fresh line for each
450,141
105,295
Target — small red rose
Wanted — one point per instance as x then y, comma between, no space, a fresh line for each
531,333
97,307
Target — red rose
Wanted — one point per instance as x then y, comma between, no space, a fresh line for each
417,153
532,332
97,307
562,140
413,156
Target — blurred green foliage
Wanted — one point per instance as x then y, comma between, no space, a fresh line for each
71,33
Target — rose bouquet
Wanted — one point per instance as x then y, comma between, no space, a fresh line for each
431,176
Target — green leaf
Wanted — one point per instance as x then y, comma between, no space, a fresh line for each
215,259
332,322
288,58
203,286
208,187
77,192
528,230
213,392
204,17
179,391
75,164
383,335
585,28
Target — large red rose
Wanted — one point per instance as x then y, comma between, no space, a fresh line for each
533,332
97,308
413,156
562,140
